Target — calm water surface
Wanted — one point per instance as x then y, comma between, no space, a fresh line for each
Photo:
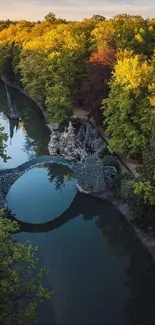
99,271
28,138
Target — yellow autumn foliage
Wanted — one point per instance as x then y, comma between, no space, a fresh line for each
133,72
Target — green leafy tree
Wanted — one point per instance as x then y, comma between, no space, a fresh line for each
128,110
33,70
50,16
6,55
58,103
145,187
3,139
146,190
125,32
98,18
21,288
127,116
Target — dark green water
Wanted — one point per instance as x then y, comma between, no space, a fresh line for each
99,271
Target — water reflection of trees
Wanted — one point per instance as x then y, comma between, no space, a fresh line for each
139,276
59,174
14,125
36,135
30,147
139,273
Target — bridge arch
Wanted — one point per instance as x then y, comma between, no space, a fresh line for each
81,205
9,176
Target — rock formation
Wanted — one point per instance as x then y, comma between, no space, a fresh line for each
65,145
53,145
93,177
74,147
80,151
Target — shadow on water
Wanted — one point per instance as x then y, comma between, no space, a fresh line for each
119,238
78,206
139,278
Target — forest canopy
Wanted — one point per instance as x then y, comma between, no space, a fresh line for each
106,66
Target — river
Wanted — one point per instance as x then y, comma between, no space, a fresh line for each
98,269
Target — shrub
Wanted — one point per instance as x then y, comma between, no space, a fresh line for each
145,213
110,160
118,179
21,288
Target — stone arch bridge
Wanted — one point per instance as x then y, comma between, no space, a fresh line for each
9,176
91,174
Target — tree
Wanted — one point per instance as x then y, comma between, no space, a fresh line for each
125,32
21,289
58,103
33,69
128,109
133,72
6,55
3,139
98,18
127,116
94,85
65,70
103,35
6,23
50,17
152,82
145,187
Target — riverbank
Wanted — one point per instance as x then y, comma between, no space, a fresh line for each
147,237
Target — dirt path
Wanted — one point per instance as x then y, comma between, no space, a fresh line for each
124,162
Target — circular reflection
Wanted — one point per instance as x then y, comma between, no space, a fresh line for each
42,194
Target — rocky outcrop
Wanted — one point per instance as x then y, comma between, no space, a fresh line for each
80,152
66,144
53,146
75,147
94,177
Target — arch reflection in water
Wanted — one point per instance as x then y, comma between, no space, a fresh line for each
42,194
99,271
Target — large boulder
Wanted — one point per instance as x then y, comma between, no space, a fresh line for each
91,177
65,144
53,145
94,177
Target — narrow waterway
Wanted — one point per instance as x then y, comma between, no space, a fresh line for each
98,270
28,138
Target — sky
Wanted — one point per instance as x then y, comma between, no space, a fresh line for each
74,9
